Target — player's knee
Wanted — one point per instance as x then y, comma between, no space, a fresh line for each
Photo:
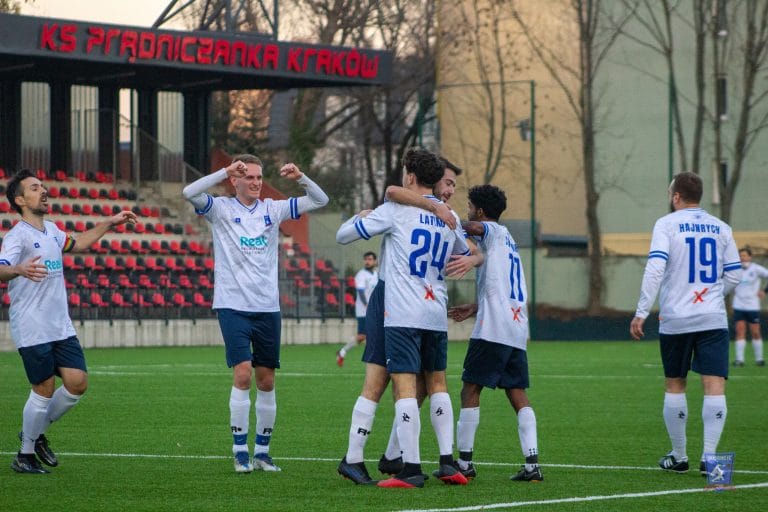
77,386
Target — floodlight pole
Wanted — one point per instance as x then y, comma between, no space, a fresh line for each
532,313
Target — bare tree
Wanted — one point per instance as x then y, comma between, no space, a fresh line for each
598,28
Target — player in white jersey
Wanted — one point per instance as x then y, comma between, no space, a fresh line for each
365,282
246,293
415,322
374,357
694,261
746,307
31,261
496,356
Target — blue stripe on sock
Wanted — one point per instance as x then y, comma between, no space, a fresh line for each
240,438
262,440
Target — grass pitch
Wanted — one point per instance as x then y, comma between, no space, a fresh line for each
152,433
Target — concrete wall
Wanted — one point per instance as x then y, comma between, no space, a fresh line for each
129,333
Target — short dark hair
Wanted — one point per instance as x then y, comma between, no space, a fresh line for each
689,186
248,158
15,189
427,166
369,253
491,199
746,249
447,164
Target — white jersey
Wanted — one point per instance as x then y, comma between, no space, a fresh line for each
745,294
245,242
502,315
419,246
695,262
38,312
365,282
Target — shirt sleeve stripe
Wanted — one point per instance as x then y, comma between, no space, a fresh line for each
732,266
294,203
660,255
69,244
207,207
361,230
5,262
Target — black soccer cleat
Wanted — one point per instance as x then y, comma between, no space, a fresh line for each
450,474
27,463
760,362
43,450
404,482
356,472
524,475
391,467
703,469
470,472
670,463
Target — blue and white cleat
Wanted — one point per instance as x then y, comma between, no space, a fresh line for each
243,462
263,462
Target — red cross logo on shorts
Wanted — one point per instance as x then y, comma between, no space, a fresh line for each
699,295
430,295
516,313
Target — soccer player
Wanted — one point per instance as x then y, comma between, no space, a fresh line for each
496,356
746,307
31,261
365,281
694,261
415,326
246,295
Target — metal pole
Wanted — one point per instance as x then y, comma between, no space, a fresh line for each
670,128
532,315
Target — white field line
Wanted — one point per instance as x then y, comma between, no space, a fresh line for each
515,504
336,459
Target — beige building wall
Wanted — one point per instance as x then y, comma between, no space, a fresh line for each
484,92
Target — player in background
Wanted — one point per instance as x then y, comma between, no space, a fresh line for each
31,262
246,295
694,261
496,356
746,307
415,324
365,281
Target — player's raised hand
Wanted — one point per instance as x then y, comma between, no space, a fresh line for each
32,269
236,169
462,312
291,171
123,217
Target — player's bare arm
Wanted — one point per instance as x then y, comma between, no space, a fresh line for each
462,312
32,269
85,240
404,196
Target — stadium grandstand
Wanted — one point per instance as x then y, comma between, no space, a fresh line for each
62,87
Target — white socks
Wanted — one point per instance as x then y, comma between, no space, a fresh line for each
393,446
34,420
526,429
757,346
713,414
408,429
362,421
441,414
675,418
239,409
266,411
469,419
740,344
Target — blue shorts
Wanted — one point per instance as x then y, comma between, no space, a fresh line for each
361,325
253,337
43,361
491,364
412,350
751,317
707,349
374,327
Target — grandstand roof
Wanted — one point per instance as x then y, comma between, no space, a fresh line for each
92,53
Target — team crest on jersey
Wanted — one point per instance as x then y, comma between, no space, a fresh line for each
37,245
267,220
237,220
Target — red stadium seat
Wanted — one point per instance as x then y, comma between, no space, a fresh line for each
331,300
198,299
